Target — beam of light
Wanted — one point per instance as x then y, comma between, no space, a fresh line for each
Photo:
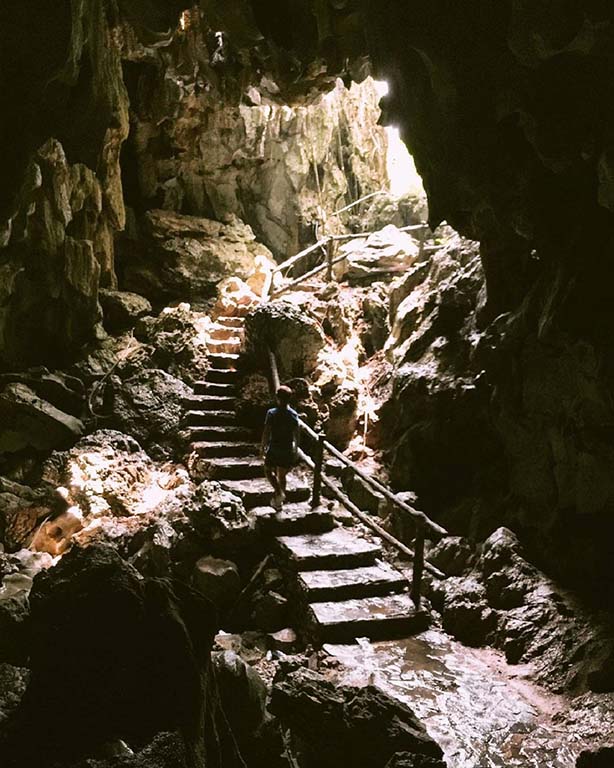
402,173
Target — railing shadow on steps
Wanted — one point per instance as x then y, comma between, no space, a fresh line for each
316,462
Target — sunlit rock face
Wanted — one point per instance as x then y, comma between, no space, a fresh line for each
213,133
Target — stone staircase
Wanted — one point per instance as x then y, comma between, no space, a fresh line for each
343,589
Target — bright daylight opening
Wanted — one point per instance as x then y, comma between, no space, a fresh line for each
404,178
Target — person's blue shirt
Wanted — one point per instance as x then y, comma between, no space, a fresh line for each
283,425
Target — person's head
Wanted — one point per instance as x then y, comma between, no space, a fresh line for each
283,396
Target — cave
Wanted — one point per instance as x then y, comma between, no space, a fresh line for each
306,384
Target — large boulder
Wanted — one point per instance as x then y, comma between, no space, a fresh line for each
361,727
176,339
31,422
149,406
122,309
292,334
112,656
186,257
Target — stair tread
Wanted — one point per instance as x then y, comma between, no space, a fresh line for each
235,461
346,583
215,433
260,485
212,412
365,610
224,444
337,546
223,355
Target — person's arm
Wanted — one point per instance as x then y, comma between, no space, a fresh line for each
266,434
296,434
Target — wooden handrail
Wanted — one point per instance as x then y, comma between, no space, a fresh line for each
336,239
320,479
387,493
312,273
368,519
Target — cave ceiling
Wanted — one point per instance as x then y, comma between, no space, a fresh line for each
505,106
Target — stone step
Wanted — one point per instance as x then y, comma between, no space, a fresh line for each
294,520
225,333
225,449
221,376
209,402
231,346
231,321
222,449
223,361
336,549
350,583
258,492
210,418
378,618
213,389
219,434
234,468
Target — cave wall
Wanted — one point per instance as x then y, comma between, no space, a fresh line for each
211,135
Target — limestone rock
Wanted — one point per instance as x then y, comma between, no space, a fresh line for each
96,604
30,422
186,257
294,336
386,253
340,426
362,727
466,614
601,758
218,580
13,682
453,555
176,342
149,407
122,309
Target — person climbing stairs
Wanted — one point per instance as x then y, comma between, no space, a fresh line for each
343,588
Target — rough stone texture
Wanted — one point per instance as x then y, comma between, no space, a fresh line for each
186,257
137,664
121,309
218,580
359,726
602,758
60,199
176,342
30,422
13,682
149,407
506,601
235,143
294,336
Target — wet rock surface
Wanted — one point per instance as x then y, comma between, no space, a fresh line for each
505,601
361,725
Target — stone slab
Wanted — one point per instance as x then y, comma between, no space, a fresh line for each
258,492
338,548
348,583
378,618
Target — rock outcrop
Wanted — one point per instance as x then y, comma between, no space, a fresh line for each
95,604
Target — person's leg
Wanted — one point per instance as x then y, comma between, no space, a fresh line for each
281,480
271,476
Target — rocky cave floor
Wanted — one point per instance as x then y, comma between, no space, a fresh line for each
106,516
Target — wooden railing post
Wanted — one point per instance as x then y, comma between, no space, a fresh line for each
316,495
330,257
416,586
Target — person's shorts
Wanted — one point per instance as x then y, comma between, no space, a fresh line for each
276,457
